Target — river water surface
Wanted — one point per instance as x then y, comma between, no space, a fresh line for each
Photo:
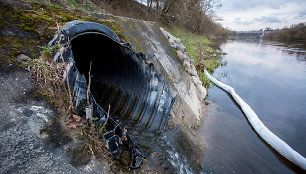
271,78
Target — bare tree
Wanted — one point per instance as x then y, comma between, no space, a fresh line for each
197,16
208,6
200,15
149,5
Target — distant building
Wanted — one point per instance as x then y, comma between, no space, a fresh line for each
267,29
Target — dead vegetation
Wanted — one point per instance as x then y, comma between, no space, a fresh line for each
94,139
49,77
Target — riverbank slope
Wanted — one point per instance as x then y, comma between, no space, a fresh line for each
296,33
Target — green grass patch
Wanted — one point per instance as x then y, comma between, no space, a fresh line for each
202,51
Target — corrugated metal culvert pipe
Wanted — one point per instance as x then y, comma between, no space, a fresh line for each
120,78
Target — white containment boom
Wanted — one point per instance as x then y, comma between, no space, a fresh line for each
274,141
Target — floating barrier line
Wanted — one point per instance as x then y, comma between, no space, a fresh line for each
274,141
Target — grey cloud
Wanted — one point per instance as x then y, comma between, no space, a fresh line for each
244,5
302,14
242,22
266,19
274,12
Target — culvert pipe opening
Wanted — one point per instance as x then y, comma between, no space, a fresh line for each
121,78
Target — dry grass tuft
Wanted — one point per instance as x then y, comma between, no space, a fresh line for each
94,140
49,77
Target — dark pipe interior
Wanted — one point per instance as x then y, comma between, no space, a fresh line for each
117,78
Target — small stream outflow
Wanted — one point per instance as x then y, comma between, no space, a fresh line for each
121,78
261,37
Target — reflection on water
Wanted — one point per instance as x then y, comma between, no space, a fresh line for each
271,78
297,50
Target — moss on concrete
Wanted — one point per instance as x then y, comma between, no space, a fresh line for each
35,27
131,33
13,46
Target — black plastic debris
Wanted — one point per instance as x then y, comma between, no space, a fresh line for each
120,78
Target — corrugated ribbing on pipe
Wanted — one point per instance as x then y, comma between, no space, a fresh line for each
120,77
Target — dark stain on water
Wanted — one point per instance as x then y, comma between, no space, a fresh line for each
271,78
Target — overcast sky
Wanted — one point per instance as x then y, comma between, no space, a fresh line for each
258,14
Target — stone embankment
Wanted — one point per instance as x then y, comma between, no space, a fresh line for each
196,93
